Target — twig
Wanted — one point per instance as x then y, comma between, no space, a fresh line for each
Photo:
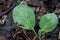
57,11
27,38
43,7
1,14
34,38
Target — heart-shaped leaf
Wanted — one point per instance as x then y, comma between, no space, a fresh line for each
48,22
24,15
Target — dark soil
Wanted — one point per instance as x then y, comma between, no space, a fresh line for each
12,31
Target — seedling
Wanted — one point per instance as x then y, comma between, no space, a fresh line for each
48,23
24,15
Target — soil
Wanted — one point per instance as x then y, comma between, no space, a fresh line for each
40,8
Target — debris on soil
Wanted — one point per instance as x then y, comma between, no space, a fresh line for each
13,32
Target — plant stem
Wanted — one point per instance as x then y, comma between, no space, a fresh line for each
35,32
36,35
39,34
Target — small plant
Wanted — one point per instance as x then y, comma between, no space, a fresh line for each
48,23
24,15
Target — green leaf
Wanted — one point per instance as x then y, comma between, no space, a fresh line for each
48,22
24,15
